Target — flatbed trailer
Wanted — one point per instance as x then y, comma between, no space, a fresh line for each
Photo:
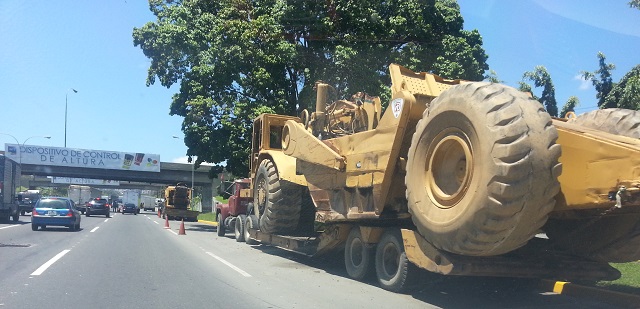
522,263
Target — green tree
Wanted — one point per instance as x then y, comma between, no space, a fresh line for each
570,106
492,77
634,4
541,78
601,79
235,59
626,93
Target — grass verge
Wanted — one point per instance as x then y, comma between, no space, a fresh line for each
629,282
209,216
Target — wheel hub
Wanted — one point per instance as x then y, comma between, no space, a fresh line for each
449,168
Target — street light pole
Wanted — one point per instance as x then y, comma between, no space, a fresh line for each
66,99
20,152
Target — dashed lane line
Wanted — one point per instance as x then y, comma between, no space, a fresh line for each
242,272
6,227
94,229
50,262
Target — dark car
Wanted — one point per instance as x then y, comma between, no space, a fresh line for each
129,208
98,206
58,211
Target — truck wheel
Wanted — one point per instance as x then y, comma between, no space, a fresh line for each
357,255
239,228
276,202
482,170
16,217
251,222
22,212
618,121
393,269
220,228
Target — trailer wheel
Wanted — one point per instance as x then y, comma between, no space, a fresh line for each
220,228
482,170
618,121
276,202
358,255
251,222
393,269
240,227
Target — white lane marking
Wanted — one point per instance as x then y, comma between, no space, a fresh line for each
105,220
6,227
173,232
94,229
46,265
242,272
155,222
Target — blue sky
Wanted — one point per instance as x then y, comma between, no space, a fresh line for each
49,47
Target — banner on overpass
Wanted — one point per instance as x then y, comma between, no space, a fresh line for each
86,158
85,181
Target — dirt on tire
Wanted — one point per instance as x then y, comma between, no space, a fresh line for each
482,170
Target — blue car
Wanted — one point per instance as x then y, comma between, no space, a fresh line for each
55,211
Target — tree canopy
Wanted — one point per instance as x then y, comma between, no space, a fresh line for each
541,78
601,80
626,93
236,59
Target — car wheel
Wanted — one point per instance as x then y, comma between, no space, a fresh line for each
34,227
72,227
22,212
87,214
108,215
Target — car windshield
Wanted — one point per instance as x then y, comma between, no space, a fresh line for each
56,204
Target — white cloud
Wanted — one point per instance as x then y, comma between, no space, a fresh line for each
584,84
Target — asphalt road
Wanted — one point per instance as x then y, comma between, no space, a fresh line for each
132,261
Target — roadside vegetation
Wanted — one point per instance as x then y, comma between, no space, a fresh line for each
630,280
211,216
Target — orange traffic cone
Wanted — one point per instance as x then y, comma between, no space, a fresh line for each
159,213
166,222
181,231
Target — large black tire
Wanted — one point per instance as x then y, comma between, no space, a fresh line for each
394,271
239,228
482,170
34,227
358,256
251,222
618,121
221,228
16,217
276,202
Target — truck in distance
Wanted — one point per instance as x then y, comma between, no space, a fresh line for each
9,175
177,200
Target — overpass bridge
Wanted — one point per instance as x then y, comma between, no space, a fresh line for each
170,174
